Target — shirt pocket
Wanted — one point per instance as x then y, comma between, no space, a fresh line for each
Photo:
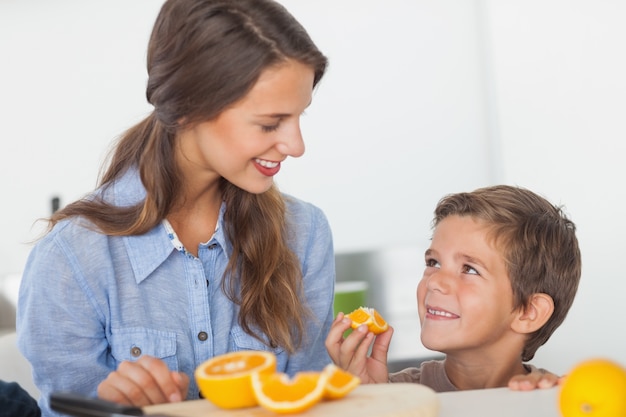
240,340
129,344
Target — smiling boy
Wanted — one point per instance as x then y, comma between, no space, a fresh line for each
501,274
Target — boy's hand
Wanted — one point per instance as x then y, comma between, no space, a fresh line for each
351,353
537,378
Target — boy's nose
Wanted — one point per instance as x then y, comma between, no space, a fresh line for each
439,281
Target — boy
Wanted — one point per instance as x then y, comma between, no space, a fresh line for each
501,273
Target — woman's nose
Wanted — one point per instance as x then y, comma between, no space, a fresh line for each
291,142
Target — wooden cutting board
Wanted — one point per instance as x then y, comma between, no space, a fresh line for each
376,400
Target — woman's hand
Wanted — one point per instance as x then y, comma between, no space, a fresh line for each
537,378
144,382
351,353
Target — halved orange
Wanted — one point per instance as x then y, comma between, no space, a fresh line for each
225,380
370,317
340,382
284,395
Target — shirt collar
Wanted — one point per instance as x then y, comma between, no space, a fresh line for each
148,251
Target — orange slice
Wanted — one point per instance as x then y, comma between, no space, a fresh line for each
340,382
370,317
284,395
225,380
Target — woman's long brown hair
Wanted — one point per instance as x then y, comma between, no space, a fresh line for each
203,56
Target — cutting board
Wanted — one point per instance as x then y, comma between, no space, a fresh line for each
375,400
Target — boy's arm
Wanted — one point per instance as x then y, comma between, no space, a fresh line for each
351,353
537,378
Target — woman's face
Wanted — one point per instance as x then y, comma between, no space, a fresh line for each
247,142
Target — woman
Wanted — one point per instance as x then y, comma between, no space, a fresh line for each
187,250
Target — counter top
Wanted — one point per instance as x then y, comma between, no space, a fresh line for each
399,400
500,402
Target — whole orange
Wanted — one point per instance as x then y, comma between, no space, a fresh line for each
594,388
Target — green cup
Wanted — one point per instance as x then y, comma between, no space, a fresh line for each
350,295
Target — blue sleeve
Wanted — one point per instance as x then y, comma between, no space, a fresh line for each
55,313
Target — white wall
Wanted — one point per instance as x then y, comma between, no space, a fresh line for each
559,82
392,125
422,98
396,120
72,78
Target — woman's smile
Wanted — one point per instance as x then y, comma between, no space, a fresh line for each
265,167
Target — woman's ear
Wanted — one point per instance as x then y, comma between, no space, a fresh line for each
530,318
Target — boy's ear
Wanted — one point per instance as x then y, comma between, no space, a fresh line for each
539,309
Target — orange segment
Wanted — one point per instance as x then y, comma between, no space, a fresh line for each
225,380
284,395
340,382
370,317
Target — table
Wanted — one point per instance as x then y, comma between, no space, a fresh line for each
500,402
398,400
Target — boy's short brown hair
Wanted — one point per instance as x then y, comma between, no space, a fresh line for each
538,243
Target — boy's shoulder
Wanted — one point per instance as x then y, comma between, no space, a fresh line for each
430,373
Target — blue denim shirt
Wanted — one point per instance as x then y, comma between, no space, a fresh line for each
89,301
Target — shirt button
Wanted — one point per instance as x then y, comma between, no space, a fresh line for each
203,336
135,352
212,246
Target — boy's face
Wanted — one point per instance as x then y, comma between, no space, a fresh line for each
465,299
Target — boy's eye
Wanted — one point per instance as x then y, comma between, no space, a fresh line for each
432,263
469,270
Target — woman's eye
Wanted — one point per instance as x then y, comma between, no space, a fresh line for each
269,129
469,270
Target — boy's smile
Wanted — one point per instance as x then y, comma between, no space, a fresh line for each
434,313
465,299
